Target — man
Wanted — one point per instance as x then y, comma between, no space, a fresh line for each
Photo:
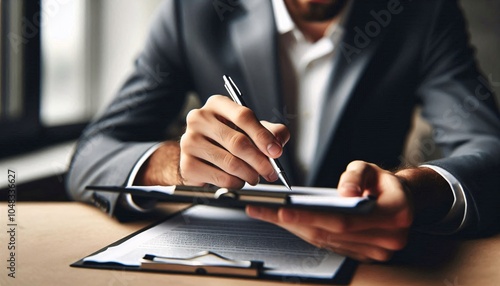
345,76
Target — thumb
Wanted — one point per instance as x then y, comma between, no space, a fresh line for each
359,179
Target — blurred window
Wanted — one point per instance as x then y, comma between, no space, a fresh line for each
21,27
11,57
19,77
65,62
61,61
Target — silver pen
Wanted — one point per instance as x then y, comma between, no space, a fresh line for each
235,94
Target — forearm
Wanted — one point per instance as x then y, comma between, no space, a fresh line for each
162,168
430,194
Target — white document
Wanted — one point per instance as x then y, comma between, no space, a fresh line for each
230,233
302,189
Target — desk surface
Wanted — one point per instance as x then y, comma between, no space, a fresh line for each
51,236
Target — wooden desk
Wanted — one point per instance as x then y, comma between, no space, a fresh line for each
51,236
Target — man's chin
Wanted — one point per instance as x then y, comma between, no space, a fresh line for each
321,2
313,18
322,11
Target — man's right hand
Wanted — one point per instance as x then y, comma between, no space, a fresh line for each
224,145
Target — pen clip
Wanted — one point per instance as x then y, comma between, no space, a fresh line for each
238,98
233,90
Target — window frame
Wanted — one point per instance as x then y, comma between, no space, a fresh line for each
27,131
14,128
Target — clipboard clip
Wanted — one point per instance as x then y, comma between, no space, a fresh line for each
224,193
203,263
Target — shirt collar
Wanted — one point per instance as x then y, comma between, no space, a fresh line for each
284,22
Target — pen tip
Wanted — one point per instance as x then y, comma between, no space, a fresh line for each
284,180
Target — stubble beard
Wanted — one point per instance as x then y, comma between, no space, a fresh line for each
317,12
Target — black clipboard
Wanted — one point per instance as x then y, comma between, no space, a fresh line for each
254,270
309,198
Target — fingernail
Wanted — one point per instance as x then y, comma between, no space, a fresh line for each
273,176
274,149
351,188
288,216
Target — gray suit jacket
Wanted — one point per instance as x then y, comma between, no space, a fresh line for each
391,59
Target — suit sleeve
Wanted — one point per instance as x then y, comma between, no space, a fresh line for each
459,104
138,118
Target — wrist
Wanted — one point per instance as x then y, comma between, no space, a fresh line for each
162,167
429,194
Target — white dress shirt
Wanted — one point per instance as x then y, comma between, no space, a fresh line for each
307,68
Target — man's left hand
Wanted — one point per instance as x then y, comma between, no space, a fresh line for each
372,237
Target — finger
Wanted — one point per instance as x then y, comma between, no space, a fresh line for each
392,204
355,256
391,239
204,122
245,119
280,131
387,239
242,147
264,214
196,145
358,177
321,238
362,252
195,172
337,222
284,216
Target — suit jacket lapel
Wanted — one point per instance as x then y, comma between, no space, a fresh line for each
254,38
349,64
255,45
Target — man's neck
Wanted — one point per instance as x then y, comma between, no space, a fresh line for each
313,31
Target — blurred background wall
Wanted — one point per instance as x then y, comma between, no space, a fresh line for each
483,17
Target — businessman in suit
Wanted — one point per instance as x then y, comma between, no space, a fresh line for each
336,82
